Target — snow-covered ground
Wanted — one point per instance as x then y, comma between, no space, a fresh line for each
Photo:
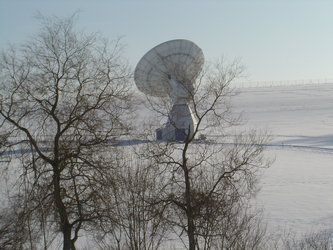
297,191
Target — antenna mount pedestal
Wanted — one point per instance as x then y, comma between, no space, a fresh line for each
180,125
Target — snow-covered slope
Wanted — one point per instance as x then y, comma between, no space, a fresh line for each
296,115
297,191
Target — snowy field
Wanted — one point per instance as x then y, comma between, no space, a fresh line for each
297,191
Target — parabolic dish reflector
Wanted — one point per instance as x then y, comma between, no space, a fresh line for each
181,60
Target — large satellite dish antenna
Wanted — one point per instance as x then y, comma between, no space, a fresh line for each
170,69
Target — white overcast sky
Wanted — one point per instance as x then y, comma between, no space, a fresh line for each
275,40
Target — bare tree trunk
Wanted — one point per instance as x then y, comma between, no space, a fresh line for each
189,212
65,226
190,219
66,231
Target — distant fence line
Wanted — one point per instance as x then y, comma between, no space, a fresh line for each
253,84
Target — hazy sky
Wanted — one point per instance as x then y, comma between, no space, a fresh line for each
275,40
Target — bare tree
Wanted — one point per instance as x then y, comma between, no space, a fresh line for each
64,96
133,223
13,229
208,182
320,240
